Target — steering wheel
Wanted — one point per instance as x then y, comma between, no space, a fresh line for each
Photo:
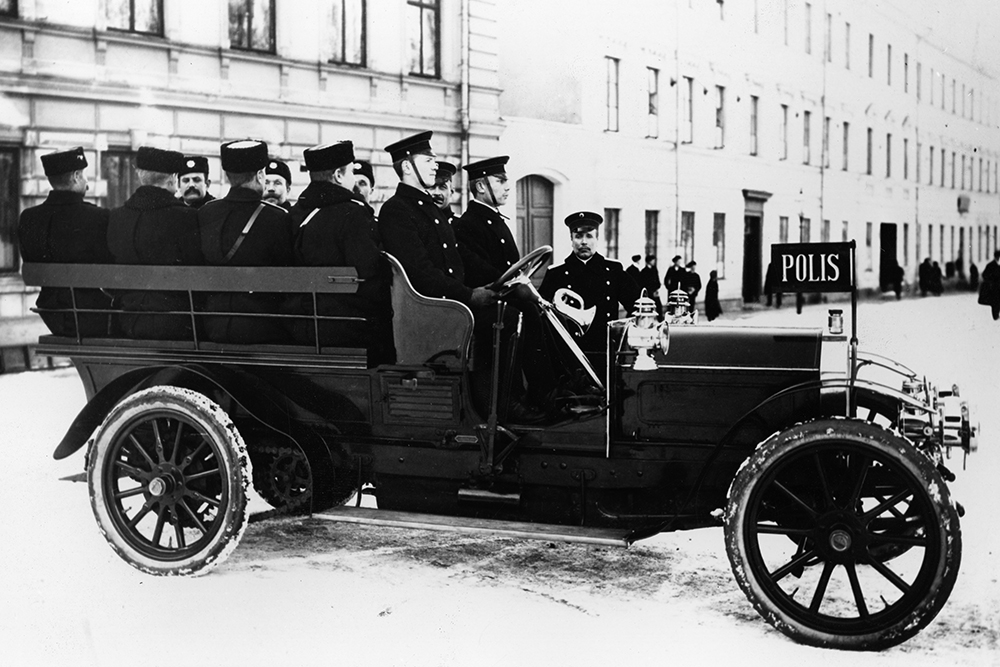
523,268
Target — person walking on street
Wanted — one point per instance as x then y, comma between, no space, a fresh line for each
634,270
936,284
649,278
924,276
770,283
672,280
989,289
712,306
691,283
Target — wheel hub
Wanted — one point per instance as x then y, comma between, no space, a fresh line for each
158,486
840,540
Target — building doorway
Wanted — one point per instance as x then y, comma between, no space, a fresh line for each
753,223
534,215
888,259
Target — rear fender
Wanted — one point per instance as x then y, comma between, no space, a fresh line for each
257,398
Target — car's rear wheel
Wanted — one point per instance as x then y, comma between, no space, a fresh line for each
809,515
168,476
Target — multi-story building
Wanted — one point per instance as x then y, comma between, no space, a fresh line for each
713,129
112,75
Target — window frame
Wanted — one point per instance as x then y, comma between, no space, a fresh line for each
13,11
272,32
131,18
612,226
613,101
341,59
719,243
652,232
754,120
653,102
13,206
687,235
435,7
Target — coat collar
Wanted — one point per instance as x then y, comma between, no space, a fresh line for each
64,197
410,192
323,193
150,197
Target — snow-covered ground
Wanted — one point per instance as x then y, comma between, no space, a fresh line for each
301,592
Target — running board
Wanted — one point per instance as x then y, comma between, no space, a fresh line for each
609,537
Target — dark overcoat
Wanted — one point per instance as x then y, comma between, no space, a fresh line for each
342,232
66,229
415,231
268,242
156,228
603,284
487,244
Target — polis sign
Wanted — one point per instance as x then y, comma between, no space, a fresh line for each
813,267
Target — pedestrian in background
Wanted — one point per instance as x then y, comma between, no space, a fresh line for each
937,283
989,290
770,282
691,283
924,274
635,271
649,278
712,306
672,279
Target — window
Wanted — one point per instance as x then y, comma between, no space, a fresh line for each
144,16
888,64
753,124
348,32
963,100
942,167
868,162
251,25
687,235
906,159
918,83
930,168
845,231
720,116
953,170
871,56
611,216
888,155
954,95
930,241
847,46
806,130
783,229
10,194
424,24
906,72
804,224
8,7
784,131
652,232
687,110
943,81
917,160
653,110
824,232
980,188
827,46
868,247
963,172
930,88
118,169
808,35
612,103
826,141
906,244
916,242
847,143
719,243
786,22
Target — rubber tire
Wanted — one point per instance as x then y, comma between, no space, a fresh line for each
776,449
229,449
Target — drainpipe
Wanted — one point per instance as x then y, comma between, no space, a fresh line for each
464,122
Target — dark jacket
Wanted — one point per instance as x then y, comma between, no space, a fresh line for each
268,242
415,232
342,232
201,202
154,227
603,284
487,246
66,229
712,306
672,278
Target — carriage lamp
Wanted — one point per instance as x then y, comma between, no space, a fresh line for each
645,334
835,321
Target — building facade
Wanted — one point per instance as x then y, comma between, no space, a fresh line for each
712,129
112,75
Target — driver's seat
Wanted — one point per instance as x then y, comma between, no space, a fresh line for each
427,330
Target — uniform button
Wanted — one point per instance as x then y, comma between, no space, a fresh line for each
451,270
444,245
420,203
609,282
502,241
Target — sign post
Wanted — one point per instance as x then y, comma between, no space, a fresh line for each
822,267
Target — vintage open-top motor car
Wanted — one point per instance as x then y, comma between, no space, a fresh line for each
831,486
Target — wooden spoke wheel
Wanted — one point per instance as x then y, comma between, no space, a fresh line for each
810,514
168,477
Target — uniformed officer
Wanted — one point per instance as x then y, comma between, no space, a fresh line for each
600,282
415,233
364,180
155,227
335,228
277,183
194,182
482,229
242,229
66,229
443,191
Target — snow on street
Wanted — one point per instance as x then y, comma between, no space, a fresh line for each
303,592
